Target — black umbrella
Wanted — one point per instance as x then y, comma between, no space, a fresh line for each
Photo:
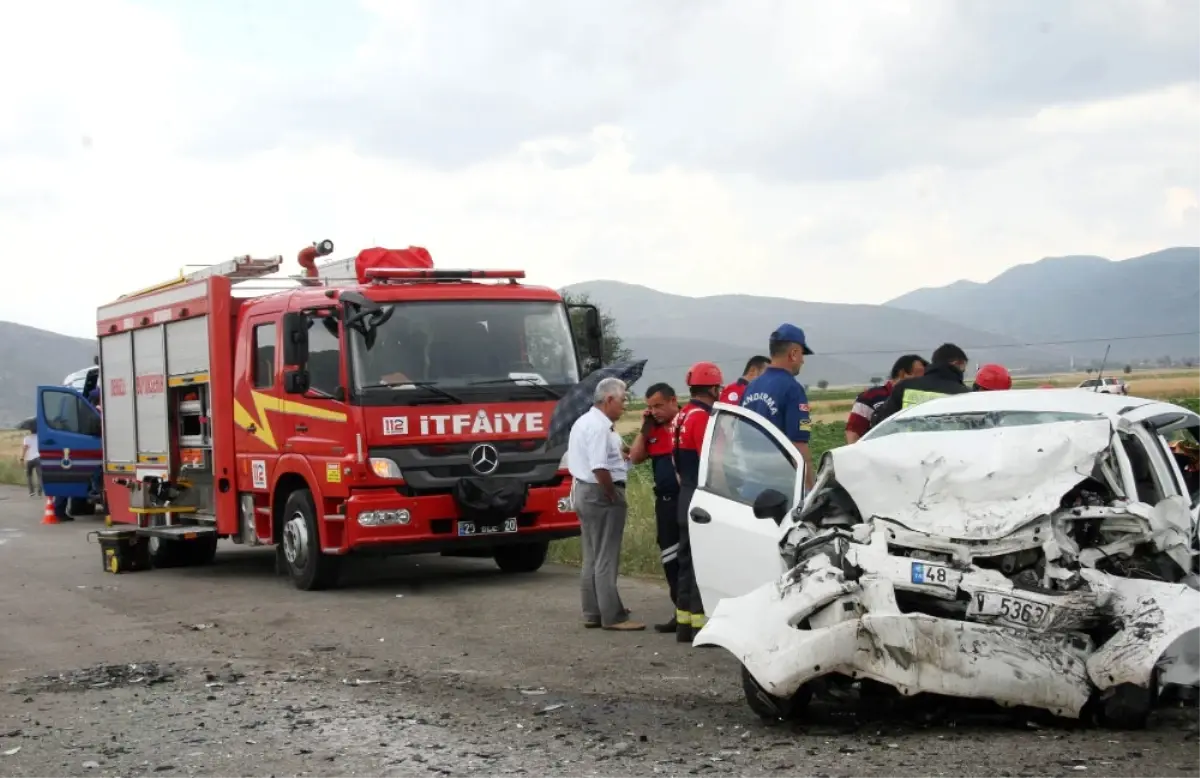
579,398
29,425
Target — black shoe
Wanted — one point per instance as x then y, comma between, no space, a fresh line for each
684,633
670,626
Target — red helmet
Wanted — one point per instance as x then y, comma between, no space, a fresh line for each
993,378
704,374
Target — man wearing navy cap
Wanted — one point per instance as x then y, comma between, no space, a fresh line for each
777,396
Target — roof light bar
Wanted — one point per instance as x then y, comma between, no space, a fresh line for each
417,274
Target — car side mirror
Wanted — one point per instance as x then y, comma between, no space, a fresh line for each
295,381
295,339
771,504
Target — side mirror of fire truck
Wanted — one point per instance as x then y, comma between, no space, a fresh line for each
295,381
295,340
594,334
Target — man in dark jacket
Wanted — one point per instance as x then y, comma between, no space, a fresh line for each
943,377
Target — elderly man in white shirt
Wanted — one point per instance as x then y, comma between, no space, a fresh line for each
598,466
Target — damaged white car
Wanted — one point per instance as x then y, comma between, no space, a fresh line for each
1034,548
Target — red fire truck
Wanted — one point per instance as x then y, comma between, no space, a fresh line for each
402,409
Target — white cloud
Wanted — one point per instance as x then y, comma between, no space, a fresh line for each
818,151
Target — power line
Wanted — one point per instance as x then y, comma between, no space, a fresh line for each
973,348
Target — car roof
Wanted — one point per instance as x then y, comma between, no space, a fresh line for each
1068,400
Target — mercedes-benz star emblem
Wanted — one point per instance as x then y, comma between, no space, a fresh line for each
484,459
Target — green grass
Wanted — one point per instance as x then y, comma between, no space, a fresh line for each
639,551
12,472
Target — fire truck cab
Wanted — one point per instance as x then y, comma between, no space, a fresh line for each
403,409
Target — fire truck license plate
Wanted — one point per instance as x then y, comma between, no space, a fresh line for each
469,528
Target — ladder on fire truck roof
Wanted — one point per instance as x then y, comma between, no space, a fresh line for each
241,268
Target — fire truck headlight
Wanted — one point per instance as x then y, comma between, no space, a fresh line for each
385,468
384,518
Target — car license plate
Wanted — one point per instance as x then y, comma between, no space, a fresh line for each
931,575
470,528
1009,609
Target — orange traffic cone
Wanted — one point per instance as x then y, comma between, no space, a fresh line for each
48,516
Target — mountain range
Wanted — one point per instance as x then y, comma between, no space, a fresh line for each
30,357
1143,308
1075,306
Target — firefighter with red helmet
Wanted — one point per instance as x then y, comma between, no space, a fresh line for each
992,378
704,383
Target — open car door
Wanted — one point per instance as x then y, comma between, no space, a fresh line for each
68,432
733,552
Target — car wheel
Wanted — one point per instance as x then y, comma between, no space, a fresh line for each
771,708
1127,706
521,557
310,570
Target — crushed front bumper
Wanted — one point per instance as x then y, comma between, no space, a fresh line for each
789,633
912,652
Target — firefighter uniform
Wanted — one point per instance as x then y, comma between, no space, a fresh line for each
690,425
660,448
733,393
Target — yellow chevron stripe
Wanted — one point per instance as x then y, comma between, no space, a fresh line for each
262,423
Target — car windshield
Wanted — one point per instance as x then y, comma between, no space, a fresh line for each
952,422
494,346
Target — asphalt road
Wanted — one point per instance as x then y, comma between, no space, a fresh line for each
425,665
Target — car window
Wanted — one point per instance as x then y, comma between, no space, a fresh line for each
953,422
1184,447
61,411
324,354
1149,465
67,412
743,460
263,367
1089,383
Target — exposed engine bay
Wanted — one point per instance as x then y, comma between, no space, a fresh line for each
1039,565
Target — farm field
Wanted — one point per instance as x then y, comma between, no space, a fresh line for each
640,555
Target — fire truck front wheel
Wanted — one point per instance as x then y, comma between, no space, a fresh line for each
521,557
301,545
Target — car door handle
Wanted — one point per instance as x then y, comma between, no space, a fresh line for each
700,516
301,428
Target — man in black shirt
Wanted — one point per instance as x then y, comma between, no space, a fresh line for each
943,377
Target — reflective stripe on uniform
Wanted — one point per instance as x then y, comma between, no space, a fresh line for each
917,396
670,552
683,617
698,620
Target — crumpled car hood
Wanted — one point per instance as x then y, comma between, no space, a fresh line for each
974,484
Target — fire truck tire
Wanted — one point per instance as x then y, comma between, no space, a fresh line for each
166,553
310,570
521,557
201,551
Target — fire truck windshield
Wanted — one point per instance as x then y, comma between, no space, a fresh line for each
466,349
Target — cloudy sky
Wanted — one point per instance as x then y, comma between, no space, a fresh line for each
806,148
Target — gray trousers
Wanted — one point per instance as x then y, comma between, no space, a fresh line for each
602,527
33,473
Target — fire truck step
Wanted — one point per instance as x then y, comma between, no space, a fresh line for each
178,532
